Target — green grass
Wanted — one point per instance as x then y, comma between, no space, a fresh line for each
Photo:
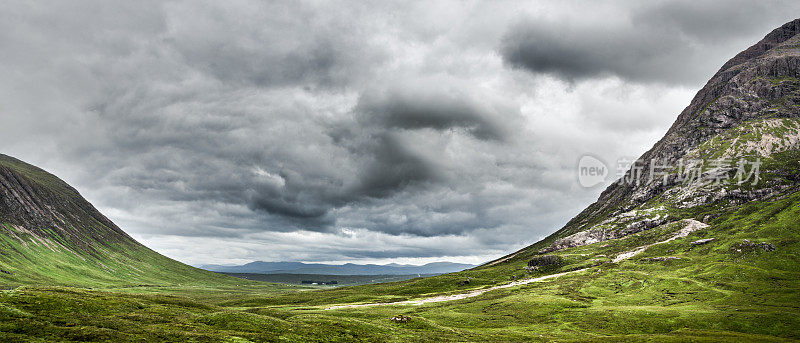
712,293
27,259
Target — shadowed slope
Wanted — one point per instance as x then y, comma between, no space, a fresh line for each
49,234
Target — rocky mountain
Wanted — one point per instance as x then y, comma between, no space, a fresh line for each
735,143
49,234
261,267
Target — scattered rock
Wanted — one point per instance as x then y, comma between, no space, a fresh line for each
400,318
465,282
702,241
748,246
6,272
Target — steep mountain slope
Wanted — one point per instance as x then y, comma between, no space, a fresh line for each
744,122
50,235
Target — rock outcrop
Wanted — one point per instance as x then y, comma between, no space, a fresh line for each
750,109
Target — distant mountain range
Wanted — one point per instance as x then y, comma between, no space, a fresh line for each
262,267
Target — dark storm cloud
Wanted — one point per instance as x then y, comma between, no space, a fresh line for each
218,150
281,160
394,168
432,108
673,42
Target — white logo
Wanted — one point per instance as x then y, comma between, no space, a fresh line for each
591,171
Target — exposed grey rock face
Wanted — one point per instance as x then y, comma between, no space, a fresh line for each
618,226
760,83
595,235
34,201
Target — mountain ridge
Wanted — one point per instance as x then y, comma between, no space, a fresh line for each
737,93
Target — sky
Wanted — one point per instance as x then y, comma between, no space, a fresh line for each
368,132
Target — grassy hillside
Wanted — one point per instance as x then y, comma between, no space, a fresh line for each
31,259
50,235
724,290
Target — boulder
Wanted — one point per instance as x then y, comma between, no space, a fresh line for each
400,318
702,241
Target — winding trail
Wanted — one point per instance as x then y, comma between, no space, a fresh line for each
691,226
451,297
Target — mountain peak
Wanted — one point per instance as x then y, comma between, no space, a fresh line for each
775,38
748,110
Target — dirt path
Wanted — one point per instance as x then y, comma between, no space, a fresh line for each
451,297
691,226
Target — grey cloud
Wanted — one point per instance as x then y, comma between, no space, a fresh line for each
283,162
418,107
710,21
305,130
272,44
394,168
670,42
576,53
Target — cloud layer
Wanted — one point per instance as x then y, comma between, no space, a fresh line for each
248,130
671,42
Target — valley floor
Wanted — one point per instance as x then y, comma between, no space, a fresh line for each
729,289
560,309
